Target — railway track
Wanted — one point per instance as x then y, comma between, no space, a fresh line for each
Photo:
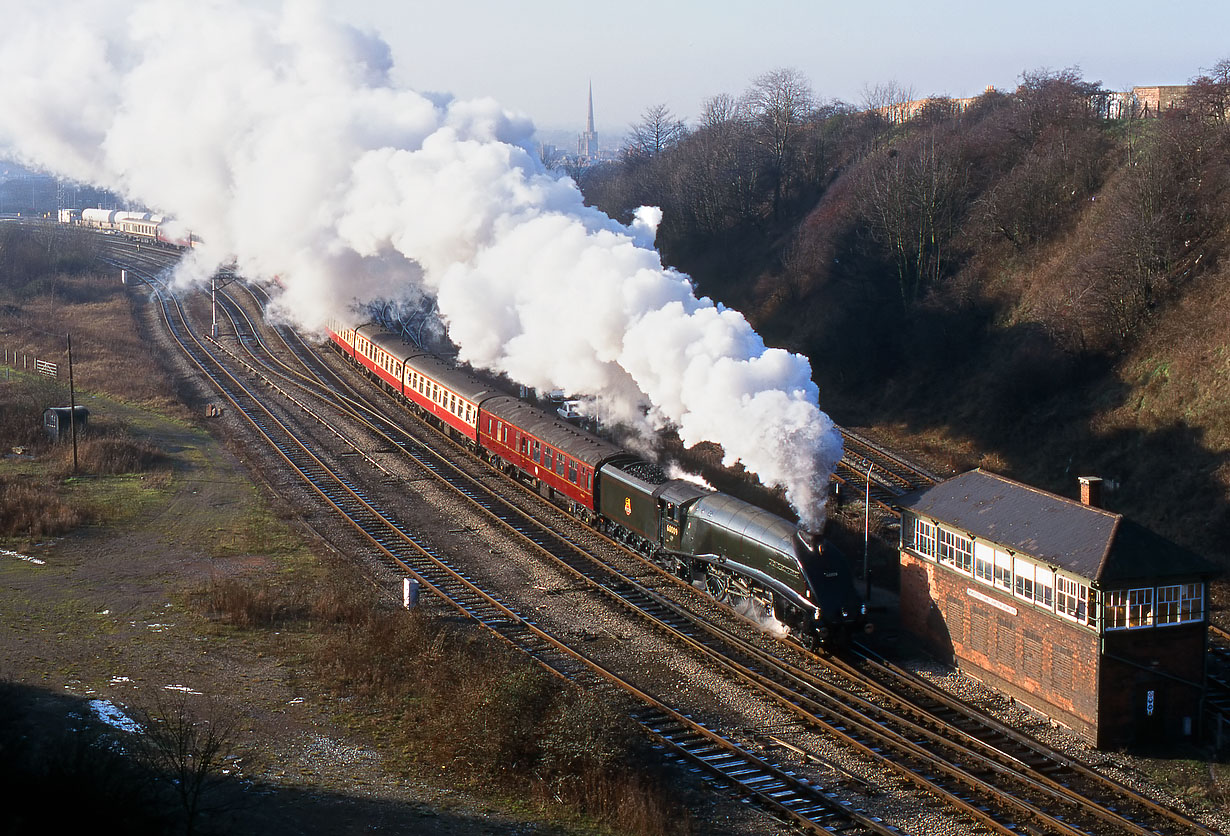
1131,811
789,797
967,774
1055,780
877,473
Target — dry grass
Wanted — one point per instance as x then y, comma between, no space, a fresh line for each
454,698
259,602
33,509
111,455
49,290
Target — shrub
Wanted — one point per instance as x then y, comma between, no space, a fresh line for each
29,509
113,455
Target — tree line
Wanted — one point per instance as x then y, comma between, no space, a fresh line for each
774,193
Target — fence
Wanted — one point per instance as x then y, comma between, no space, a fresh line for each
30,363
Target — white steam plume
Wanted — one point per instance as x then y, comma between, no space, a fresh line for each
278,138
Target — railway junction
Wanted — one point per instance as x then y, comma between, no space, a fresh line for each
820,743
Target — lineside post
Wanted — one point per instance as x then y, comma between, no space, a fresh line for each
867,536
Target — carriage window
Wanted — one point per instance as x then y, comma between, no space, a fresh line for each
548,458
572,472
559,464
536,451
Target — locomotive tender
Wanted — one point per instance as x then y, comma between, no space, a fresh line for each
762,565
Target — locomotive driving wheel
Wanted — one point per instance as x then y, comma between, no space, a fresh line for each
738,591
717,583
728,587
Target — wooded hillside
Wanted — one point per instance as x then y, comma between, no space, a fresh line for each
1020,283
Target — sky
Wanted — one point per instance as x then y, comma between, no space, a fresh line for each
538,58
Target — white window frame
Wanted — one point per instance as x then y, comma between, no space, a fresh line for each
984,562
1191,603
956,550
1114,609
924,537
1003,571
1128,609
1140,607
1023,577
1072,599
1181,603
1044,587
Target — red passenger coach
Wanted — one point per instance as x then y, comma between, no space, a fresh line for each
382,354
446,393
561,459
343,338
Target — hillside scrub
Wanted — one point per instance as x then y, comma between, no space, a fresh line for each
50,287
1024,279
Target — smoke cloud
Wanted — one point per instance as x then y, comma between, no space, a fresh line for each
278,138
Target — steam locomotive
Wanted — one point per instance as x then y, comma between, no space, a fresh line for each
762,565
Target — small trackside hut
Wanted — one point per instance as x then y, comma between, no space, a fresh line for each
1072,610
58,420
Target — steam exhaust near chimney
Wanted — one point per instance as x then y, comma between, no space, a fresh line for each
1091,491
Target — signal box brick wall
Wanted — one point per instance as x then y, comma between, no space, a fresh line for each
1086,616
1151,684
1026,653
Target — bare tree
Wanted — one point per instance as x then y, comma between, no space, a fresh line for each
719,113
1056,98
1208,95
717,170
911,200
890,101
187,750
778,105
658,130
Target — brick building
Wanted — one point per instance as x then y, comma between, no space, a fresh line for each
1072,610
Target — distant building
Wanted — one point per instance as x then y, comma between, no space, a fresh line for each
587,144
1137,103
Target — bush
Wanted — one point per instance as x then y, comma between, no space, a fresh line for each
249,603
455,698
113,455
28,509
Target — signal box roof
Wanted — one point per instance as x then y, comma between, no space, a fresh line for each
1090,542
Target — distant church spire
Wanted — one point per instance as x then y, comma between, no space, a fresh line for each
589,123
587,144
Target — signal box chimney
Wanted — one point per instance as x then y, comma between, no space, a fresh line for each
1091,491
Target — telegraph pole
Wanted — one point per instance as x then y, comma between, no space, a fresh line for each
72,402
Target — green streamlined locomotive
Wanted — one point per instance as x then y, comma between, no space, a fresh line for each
752,559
